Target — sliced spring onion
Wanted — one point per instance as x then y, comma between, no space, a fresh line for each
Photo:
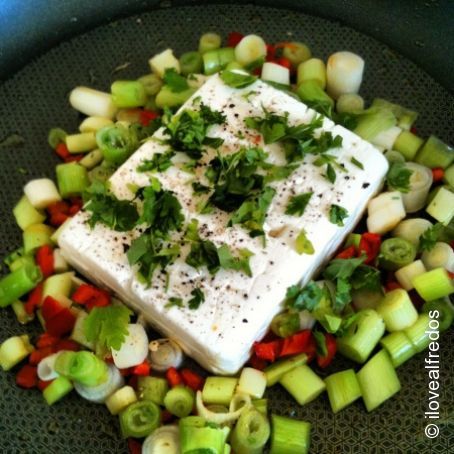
366,299
116,143
164,440
13,350
408,144
92,124
78,332
440,256
343,389
179,401
289,436
250,49
419,333
385,212
350,103
310,91
397,310
167,98
420,183
46,367
251,432
441,207
134,349
23,317
261,405
387,138
58,389
296,52
448,176
191,63
285,324
393,156
152,388
92,159
165,353
312,69
276,371
72,179
140,419
396,253
275,73
18,283
162,61
98,394
378,380
92,102
128,93
55,137
209,41
435,153
433,284
81,143
373,122
412,229
58,286
120,399
399,347
252,382
41,192
219,390
303,384
152,84
442,310
35,236
306,320
344,73
405,117
218,59
26,214
406,274
196,438
362,336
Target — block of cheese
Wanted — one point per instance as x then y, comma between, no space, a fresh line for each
238,309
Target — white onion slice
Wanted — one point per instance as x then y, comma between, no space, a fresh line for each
412,229
164,440
344,73
440,256
242,401
420,183
46,367
306,320
98,394
134,349
165,353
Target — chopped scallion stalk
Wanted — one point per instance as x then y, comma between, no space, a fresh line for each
296,52
344,73
121,399
433,284
152,388
435,153
179,401
168,98
397,310
26,214
399,347
343,389
81,143
151,83
72,179
251,432
13,350
419,332
35,236
406,274
303,384
441,207
312,69
209,41
396,253
191,63
408,144
58,389
18,283
140,419
219,390
276,371
310,91
442,310
252,382
215,60
289,436
58,286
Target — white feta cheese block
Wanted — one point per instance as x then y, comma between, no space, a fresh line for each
238,309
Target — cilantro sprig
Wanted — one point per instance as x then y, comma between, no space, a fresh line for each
159,162
398,177
337,214
430,236
298,203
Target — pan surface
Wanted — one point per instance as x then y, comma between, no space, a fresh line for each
35,99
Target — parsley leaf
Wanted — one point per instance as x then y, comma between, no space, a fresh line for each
357,163
107,326
398,177
229,262
307,297
251,214
119,215
298,203
330,173
175,81
187,131
174,301
429,237
303,245
160,162
320,341
197,299
237,80
337,214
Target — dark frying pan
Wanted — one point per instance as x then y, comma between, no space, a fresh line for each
33,99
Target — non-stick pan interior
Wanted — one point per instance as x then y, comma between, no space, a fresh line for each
35,99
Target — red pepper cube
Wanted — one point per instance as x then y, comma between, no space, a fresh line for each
192,380
34,299
62,323
257,363
173,377
297,343
37,355
268,351
234,38
146,116
45,260
347,253
90,296
134,446
47,340
142,369
331,348
67,345
370,246
27,377
62,151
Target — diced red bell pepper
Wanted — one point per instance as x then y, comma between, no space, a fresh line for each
142,369
45,260
42,384
57,219
438,174
58,213
74,158
27,377
270,53
76,205
173,377
347,253
234,38
34,299
37,355
67,345
311,349
392,285
134,446
297,343
192,379
62,323
285,62
146,116
268,351
91,296
62,151
370,246
257,363
331,347
47,340
50,308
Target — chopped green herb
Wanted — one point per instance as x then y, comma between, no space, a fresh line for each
237,80
307,297
398,177
199,188
320,341
298,204
330,173
277,173
105,208
229,262
249,94
160,162
197,299
430,236
357,163
176,82
303,245
337,214
107,326
174,301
